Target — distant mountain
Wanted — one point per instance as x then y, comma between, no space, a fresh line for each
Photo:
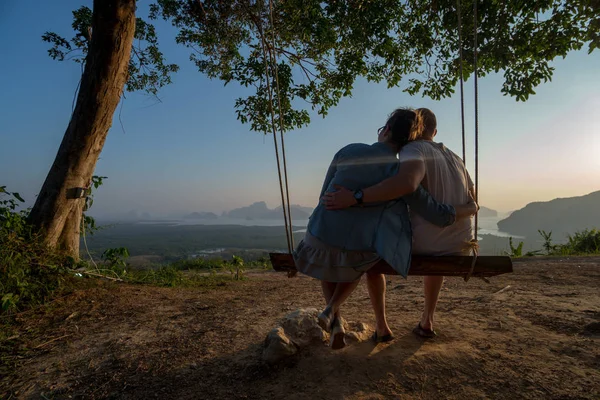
259,210
298,211
132,214
253,211
201,215
561,216
487,212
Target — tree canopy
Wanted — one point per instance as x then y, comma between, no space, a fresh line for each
147,69
322,47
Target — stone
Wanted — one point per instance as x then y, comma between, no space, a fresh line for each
278,346
302,327
358,332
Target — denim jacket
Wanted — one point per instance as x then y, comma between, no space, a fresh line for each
383,228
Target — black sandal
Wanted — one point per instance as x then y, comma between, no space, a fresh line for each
424,333
382,339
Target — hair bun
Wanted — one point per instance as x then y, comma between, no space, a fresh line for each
406,125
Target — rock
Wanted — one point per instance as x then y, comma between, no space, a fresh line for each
357,332
278,346
302,327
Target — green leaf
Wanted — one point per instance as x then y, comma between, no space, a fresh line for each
147,70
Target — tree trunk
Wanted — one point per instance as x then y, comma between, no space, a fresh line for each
56,214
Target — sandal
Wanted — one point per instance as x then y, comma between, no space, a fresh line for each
338,335
382,339
424,333
325,320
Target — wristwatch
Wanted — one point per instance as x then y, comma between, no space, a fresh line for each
358,196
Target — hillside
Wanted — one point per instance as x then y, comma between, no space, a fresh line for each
528,335
562,216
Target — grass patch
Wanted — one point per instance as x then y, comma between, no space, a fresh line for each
211,264
170,276
186,273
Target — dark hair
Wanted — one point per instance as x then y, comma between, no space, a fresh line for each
429,120
406,125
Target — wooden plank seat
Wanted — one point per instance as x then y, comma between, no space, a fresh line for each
485,266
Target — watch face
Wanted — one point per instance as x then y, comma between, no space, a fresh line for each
358,194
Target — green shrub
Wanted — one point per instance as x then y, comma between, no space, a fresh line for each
548,247
237,267
515,251
584,242
581,243
115,260
29,271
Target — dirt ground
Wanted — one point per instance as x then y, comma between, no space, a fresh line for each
537,339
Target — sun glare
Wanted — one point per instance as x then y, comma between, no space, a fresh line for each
592,151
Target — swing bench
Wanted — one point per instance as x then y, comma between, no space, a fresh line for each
463,266
485,266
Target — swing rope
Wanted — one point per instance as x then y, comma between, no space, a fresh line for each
476,87
462,93
474,244
274,128
281,127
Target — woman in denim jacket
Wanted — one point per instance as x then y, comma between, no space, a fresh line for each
341,245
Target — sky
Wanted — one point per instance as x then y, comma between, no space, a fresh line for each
189,153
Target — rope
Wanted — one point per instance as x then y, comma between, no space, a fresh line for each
273,126
474,246
85,242
89,185
475,66
462,93
281,127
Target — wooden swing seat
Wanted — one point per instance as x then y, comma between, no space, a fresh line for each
485,266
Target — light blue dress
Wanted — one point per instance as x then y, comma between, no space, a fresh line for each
340,245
